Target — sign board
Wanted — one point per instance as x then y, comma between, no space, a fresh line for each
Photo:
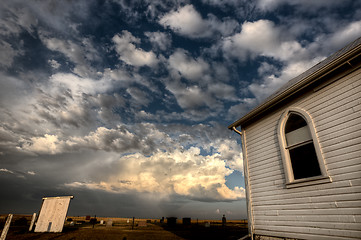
52,214
109,223
142,224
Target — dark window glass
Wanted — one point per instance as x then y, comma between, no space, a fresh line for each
304,161
294,122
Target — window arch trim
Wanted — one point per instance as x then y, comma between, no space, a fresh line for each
289,175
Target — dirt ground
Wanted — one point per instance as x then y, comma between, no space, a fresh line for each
123,229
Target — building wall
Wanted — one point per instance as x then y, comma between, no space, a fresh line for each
324,211
52,214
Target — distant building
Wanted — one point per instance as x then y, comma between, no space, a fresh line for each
302,154
186,221
171,221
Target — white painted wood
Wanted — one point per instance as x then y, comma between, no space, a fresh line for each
275,189
340,152
335,225
341,135
301,235
350,169
346,116
52,214
346,234
310,205
266,154
350,140
346,162
303,200
348,176
337,113
6,227
247,184
324,211
270,166
341,127
313,219
267,164
32,222
324,101
307,192
330,92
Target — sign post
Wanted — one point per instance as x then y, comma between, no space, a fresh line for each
6,227
32,222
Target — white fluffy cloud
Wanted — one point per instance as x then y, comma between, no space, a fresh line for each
194,82
305,5
6,170
186,21
145,139
159,40
49,144
271,82
181,172
129,53
187,67
7,54
80,53
345,35
262,38
151,161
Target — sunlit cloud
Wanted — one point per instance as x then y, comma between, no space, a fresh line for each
179,172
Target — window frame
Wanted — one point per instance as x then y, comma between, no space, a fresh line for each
290,180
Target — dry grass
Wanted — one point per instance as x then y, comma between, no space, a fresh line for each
123,230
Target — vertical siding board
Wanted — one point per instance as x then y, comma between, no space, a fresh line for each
336,112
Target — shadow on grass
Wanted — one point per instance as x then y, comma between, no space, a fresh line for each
198,231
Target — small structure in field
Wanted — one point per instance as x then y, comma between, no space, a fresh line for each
109,223
53,214
142,224
302,154
171,221
186,221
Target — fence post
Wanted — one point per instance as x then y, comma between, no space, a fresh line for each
32,222
6,227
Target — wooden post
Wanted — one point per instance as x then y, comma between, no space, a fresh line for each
6,227
133,224
32,222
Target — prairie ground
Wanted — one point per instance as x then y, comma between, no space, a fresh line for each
123,229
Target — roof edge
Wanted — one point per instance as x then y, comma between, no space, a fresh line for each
312,77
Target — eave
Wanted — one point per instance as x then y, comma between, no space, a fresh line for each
351,52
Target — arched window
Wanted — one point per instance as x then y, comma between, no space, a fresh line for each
301,155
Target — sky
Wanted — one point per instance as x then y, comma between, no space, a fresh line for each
125,104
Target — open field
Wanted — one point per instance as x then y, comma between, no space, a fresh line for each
122,228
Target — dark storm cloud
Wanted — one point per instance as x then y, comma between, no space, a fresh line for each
131,99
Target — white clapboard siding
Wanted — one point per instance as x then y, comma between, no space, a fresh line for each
341,127
290,234
310,230
261,167
313,219
346,116
344,135
323,211
335,185
342,151
340,226
340,135
328,93
349,160
299,206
